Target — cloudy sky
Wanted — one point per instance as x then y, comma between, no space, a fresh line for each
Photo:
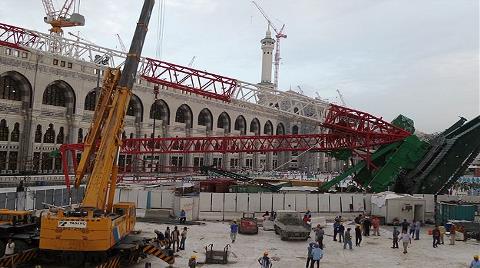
419,58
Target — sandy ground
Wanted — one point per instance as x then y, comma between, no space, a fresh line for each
374,251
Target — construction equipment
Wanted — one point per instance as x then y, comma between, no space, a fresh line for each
340,95
120,41
216,256
248,223
20,226
67,16
99,231
290,226
279,34
190,64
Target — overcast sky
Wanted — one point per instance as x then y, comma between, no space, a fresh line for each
419,58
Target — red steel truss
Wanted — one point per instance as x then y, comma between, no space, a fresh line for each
15,37
188,79
348,120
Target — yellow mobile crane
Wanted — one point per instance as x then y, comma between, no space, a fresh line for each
99,229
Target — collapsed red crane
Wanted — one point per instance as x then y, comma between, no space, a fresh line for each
349,129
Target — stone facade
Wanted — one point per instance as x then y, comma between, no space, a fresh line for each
47,101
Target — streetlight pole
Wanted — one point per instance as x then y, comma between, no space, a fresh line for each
155,92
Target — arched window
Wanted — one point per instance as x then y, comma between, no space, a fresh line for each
184,115
160,111
9,89
224,122
49,136
295,110
90,101
255,126
15,136
60,136
38,134
280,129
268,128
135,108
54,95
124,136
3,130
241,124
131,135
80,136
205,118
295,130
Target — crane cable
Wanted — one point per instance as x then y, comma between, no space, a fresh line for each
160,29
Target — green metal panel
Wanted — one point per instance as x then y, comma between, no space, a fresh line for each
456,212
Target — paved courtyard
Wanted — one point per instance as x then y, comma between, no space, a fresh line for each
374,251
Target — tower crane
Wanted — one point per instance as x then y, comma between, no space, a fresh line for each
279,34
340,95
67,16
120,41
190,64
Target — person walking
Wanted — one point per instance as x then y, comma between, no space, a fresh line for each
442,233
418,224
412,228
317,254
341,233
347,239
396,233
406,239
453,233
358,235
10,248
436,236
309,253
475,263
405,225
319,233
376,226
233,231
175,238
265,261
168,237
183,216
184,237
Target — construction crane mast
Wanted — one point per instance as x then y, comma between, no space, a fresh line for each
67,16
279,34
340,95
98,226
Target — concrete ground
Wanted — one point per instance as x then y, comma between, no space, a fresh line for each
374,251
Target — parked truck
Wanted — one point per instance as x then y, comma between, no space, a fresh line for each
290,226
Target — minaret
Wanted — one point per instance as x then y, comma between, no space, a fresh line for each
267,57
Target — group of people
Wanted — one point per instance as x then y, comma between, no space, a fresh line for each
175,240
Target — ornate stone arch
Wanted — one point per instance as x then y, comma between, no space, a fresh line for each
268,128
255,126
205,118
60,93
224,122
160,111
241,124
135,108
15,86
280,129
184,115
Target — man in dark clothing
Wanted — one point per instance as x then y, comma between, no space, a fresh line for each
175,238
167,236
358,235
358,218
405,225
396,233
319,233
335,230
341,233
366,226
436,236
